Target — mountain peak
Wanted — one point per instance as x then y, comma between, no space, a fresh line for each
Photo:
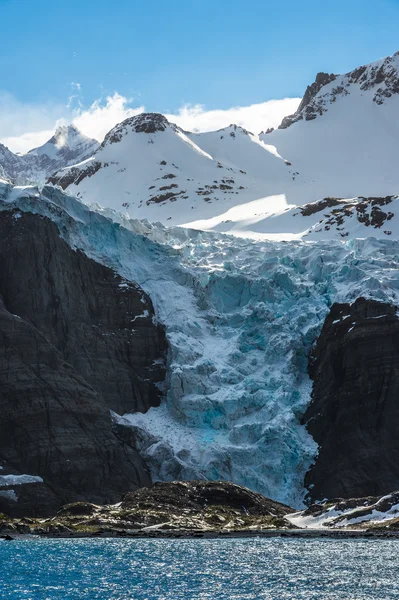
67,135
142,123
149,123
67,129
68,145
232,129
380,78
69,141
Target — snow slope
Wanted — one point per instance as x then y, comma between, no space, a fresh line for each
350,149
67,146
330,218
150,168
240,317
342,142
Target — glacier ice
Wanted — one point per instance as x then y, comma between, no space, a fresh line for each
240,318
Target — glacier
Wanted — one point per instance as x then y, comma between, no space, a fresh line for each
240,317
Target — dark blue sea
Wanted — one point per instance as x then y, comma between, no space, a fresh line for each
249,569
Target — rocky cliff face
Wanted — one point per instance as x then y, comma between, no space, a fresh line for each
306,109
354,413
11,165
76,340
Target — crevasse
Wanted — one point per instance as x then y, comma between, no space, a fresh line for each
240,318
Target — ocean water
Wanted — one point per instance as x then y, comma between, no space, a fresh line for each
249,569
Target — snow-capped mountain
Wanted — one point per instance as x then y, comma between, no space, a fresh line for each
67,146
153,169
344,135
12,166
342,142
380,77
317,176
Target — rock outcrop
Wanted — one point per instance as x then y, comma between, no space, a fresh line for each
142,123
354,412
197,507
380,77
76,341
372,513
306,109
342,215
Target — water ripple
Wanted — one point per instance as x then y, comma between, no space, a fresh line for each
252,569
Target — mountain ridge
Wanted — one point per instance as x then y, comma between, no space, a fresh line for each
341,143
383,73
68,145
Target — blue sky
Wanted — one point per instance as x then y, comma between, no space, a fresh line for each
217,53
168,54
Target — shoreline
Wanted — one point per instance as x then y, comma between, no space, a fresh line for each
184,534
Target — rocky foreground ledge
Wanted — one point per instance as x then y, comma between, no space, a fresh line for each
211,509
184,508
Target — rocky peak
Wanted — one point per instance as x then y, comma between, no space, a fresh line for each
142,123
6,153
67,146
380,77
66,139
234,129
322,79
149,123
63,133
11,164
383,75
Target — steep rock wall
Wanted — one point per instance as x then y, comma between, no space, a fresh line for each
354,412
76,340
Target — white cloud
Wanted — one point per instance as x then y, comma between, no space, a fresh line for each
97,120
27,141
25,126
255,118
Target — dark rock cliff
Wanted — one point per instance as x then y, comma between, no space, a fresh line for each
354,413
76,340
